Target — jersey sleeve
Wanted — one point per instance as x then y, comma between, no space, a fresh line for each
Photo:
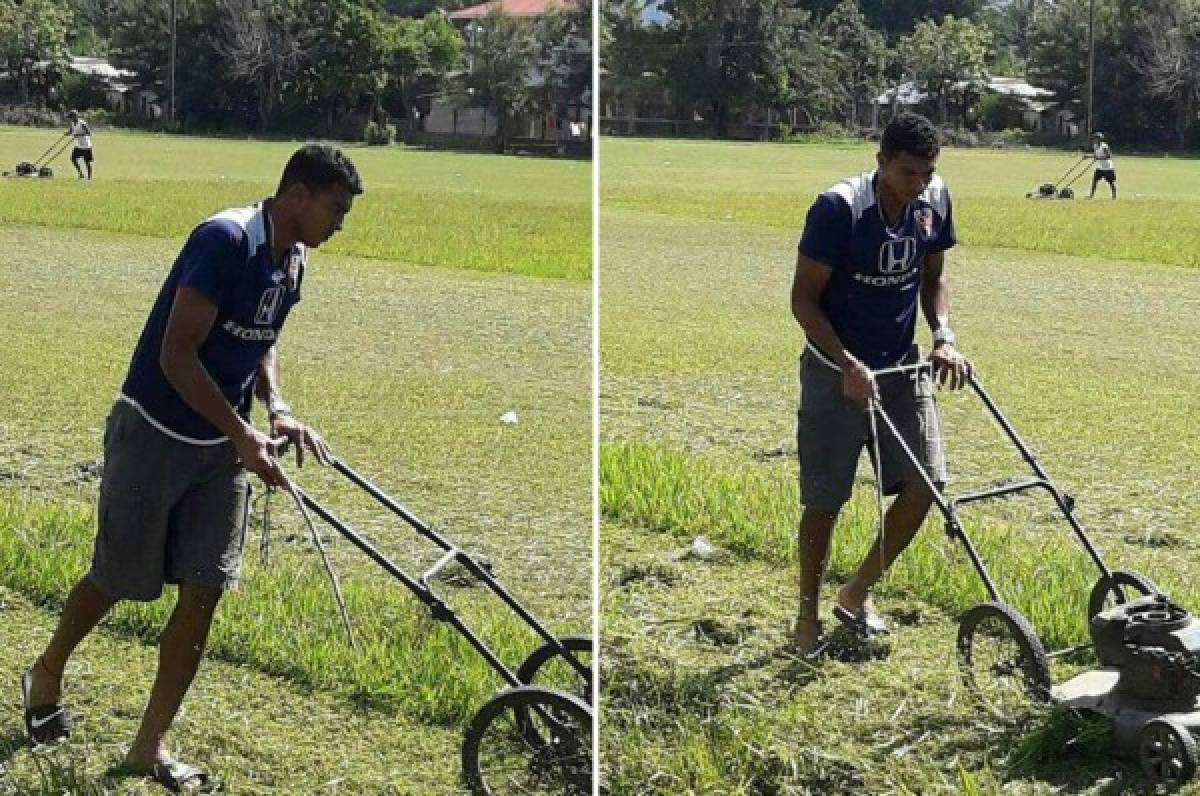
209,258
945,238
827,227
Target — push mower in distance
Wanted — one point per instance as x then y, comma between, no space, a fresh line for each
40,168
1148,647
1062,188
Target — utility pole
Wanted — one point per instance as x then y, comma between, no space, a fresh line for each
171,75
1091,61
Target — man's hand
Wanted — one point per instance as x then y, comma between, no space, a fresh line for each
302,437
858,384
950,367
258,455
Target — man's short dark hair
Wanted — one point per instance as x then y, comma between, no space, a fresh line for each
319,167
911,133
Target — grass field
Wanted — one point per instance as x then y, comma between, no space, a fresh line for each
517,215
1079,318
406,369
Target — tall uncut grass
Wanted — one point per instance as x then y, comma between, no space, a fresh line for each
285,623
755,513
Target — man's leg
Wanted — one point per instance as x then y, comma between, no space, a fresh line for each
75,162
88,163
86,605
1113,185
180,649
812,552
1095,182
901,523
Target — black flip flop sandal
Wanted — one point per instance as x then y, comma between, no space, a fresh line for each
44,724
177,776
867,624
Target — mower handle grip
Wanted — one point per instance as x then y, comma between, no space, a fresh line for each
280,445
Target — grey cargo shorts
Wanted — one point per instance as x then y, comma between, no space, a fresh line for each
831,432
168,511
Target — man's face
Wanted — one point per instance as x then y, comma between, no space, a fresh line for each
322,213
905,174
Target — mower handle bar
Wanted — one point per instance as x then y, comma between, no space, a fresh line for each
948,506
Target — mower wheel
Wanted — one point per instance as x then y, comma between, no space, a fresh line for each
1066,193
551,755
1002,660
546,666
1117,589
1167,752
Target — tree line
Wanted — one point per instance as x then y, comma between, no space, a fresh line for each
296,66
827,60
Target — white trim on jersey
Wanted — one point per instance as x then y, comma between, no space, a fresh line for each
172,434
253,221
859,193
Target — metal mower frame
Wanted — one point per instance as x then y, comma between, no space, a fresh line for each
551,730
996,616
41,166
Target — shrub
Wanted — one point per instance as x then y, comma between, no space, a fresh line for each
379,134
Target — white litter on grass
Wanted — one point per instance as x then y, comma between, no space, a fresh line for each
702,549
509,418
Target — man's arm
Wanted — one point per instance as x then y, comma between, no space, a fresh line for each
935,304
192,318
267,390
807,286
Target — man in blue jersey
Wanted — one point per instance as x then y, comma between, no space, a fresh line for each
178,442
872,251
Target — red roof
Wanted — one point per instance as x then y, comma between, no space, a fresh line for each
519,8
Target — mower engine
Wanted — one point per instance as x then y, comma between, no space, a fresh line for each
1154,644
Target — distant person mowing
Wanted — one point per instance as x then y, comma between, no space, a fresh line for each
872,251
1104,165
178,442
82,151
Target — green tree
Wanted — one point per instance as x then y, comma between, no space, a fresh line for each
262,45
351,54
501,51
423,52
732,55
947,61
1168,58
860,54
564,56
633,58
896,17
33,31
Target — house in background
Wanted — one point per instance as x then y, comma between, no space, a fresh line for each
565,127
1032,108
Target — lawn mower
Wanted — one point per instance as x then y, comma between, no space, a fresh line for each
535,735
1062,188
41,166
1148,647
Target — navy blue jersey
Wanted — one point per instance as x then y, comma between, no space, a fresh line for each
228,260
874,286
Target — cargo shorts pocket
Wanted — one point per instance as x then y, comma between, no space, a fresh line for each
127,561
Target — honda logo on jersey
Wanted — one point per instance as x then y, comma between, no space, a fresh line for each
895,255
268,306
